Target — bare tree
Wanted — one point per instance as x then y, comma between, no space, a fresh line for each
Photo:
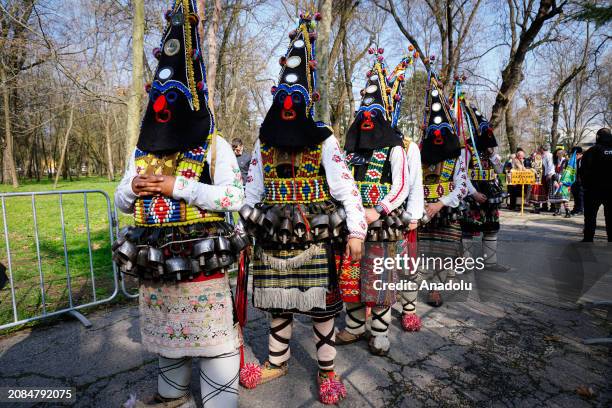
525,26
135,96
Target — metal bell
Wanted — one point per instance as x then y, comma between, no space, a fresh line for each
222,245
238,241
255,214
286,230
299,226
335,220
320,226
405,217
179,266
212,264
271,220
142,259
126,252
245,212
123,232
203,247
156,259
195,267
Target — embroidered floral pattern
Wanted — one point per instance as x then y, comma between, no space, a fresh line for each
192,318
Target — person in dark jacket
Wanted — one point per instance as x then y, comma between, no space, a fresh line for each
244,158
594,174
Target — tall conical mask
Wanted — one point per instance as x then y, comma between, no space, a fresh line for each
396,82
290,122
480,127
372,127
440,141
177,117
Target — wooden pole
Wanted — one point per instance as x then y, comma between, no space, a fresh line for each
522,198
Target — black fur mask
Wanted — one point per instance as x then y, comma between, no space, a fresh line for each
287,126
360,137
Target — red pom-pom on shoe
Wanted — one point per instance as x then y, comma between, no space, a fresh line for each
411,322
250,375
331,391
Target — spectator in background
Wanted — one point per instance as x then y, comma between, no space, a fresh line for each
244,158
558,197
515,190
577,191
527,162
595,175
548,172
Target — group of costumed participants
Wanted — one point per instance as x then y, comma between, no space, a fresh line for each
307,212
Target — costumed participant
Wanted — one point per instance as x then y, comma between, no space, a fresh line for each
303,208
414,205
565,175
179,183
485,194
444,185
376,156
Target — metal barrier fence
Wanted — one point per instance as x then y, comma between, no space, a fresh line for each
73,307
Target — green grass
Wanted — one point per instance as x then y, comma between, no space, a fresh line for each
22,242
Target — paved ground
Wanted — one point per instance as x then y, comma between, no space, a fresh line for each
515,341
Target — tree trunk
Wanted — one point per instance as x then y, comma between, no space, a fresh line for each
512,74
323,71
511,136
211,69
135,97
8,155
64,148
109,149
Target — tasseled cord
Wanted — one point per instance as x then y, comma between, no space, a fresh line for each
410,321
250,373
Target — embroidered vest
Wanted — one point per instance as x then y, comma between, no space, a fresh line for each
160,210
475,173
370,183
293,178
437,179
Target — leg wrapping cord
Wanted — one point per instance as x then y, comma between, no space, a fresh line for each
174,377
469,246
325,335
381,318
219,380
278,341
355,318
489,248
409,297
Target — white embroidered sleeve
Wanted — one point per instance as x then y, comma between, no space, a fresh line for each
416,199
124,195
453,199
226,194
342,187
399,180
254,183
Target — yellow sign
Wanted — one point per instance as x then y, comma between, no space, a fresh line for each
522,177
